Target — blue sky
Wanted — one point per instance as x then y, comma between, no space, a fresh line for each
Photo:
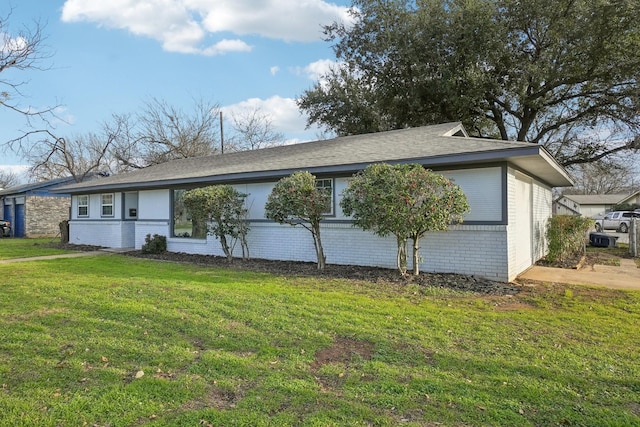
110,56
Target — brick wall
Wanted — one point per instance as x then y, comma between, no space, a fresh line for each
109,234
466,249
44,214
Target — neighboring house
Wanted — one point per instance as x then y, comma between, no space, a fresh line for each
508,185
593,205
33,210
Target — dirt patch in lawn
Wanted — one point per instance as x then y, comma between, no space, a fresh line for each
343,350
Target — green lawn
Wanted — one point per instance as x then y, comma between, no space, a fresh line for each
118,341
24,248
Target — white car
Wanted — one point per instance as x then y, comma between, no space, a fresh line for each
618,220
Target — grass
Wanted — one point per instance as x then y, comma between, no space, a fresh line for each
119,341
611,256
621,250
24,248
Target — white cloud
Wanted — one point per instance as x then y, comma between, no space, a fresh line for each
9,44
184,25
283,112
316,69
20,170
274,70
289,20
224,46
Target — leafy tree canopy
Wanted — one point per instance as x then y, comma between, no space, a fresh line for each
404,200
224,207
296,200
560,73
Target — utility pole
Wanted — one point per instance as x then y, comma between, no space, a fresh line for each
221,135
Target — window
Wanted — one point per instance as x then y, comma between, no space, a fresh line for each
326,185
83,206
183,224
106,203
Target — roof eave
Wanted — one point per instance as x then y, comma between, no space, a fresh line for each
554,174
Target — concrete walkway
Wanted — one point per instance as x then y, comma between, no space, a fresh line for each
45,257
626,276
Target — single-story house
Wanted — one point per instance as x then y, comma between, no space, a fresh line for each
34,210
508,185
593,205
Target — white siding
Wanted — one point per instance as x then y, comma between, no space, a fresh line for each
130,202
95,207
467,249
542,211
536,213
257,197
483,188
592,211
154,205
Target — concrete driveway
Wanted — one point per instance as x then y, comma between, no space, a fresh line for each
625,276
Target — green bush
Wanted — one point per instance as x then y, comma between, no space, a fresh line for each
154,245
566,235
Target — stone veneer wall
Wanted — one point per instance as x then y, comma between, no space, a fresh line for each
44,214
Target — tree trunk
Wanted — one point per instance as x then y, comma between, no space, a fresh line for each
225,247
416,255
318,245
402,255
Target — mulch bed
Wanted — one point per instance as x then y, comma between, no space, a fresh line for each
458,282
349,272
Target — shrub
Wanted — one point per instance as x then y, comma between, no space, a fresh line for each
566,235
222,208
296,200
154,245
404,200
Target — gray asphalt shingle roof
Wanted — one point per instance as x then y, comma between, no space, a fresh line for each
599,199
434,146
34,186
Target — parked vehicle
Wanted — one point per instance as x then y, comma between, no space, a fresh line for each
618,220
5,228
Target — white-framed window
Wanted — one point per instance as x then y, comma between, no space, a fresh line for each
326,184
106,204
183,224
83,205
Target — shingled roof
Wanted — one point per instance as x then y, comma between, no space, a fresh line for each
600,199
437,147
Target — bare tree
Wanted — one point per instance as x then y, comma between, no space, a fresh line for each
615,174
80,156
161,132
165,132
23,50
8,178
253,129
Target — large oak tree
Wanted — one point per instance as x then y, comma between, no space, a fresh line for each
562,73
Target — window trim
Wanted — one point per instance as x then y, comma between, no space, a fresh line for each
331,212
83,205
103,205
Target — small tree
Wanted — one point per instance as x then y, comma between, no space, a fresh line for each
295,200
223,208
406,201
